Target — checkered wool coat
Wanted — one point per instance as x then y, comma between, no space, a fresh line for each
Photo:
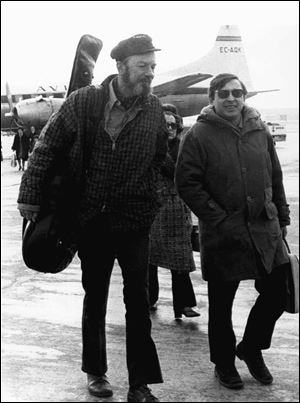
118,179
170,236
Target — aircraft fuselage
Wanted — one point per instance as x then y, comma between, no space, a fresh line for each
187,104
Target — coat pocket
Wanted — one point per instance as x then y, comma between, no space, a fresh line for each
271,209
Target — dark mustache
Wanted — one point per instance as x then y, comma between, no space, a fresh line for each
146,80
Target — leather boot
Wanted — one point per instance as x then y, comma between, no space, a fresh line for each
99,385
255,363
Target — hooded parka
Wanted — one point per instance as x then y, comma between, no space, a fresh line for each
231,179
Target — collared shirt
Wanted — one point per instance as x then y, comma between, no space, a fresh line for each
116,115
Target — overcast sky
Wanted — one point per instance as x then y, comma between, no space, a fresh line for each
39,39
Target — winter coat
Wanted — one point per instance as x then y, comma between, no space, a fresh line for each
232,180
21,145
170,236
118,178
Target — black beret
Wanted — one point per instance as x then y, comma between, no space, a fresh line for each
136,45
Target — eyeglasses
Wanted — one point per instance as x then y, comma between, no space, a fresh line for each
173,126
223,94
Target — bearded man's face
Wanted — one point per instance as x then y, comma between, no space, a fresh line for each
137,73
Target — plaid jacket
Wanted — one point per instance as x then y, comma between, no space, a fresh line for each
118,179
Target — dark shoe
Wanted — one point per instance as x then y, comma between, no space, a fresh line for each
229,377
188,312
141,394
99,386
255,363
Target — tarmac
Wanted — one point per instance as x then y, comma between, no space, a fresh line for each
41,328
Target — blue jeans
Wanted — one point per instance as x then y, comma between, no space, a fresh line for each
98,249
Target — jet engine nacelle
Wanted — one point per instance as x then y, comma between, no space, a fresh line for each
36,111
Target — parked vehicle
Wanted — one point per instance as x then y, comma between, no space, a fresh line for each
278,131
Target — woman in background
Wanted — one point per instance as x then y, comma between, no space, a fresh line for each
170,237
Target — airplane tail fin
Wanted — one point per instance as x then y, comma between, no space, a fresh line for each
226,56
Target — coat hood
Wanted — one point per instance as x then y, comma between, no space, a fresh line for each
251,118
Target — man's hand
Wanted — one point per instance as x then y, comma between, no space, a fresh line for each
29,211
29,215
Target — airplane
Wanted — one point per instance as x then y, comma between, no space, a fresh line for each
226,56
181,86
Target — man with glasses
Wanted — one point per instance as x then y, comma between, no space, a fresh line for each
229,174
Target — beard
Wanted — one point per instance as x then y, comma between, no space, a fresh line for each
140,87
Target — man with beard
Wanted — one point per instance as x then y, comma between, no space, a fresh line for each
115,203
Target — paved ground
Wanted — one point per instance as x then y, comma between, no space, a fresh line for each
41,319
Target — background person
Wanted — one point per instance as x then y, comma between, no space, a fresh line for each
21,146
170,237
229,174
116,203
33,137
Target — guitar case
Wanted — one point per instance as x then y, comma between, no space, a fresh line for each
87,53
50,243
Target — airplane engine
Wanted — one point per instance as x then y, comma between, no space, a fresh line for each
36,111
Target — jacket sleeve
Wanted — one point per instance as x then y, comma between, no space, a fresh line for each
168,167
161,145
14,145
53,141
190,177
279,198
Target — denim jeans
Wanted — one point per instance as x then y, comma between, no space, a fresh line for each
98,248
